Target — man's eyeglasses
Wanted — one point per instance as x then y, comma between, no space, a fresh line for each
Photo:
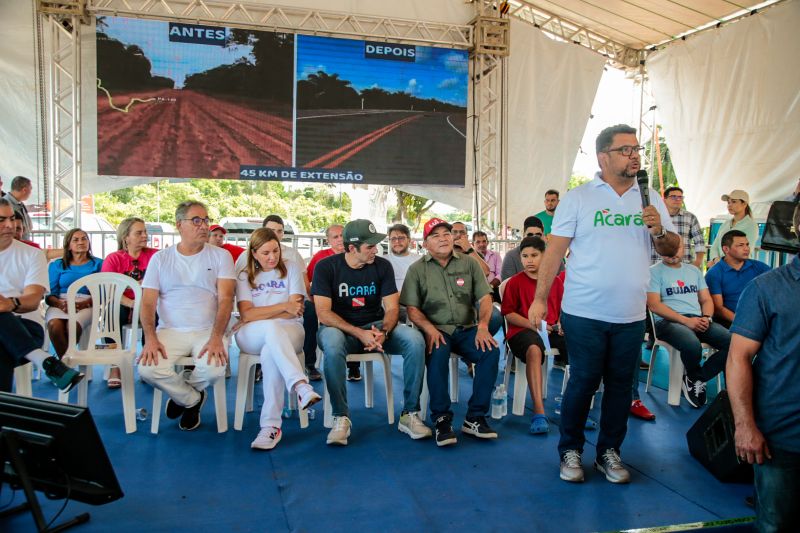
676,197
398,239
530,234
627,151
198,221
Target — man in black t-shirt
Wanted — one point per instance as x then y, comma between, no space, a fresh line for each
357,304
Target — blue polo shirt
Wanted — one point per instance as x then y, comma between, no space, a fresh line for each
725,280
768,314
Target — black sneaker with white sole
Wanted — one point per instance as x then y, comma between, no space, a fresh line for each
173,410
694,390
445,435
354,373
191,416
60,374
477,427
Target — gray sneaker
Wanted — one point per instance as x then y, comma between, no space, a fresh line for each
340,432
571,467
611,465
413,426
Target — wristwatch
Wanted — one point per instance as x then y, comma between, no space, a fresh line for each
661,235
385,334
16,303
709,317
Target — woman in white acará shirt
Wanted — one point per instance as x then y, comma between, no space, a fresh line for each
270,292
742,219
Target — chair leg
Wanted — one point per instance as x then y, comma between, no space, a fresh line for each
424,397
369,399
387,380
156,411
520,389
22,379
507,371
83,387
675,378
251,386
454,379
221,405
128,398
243,392
653,354
548,366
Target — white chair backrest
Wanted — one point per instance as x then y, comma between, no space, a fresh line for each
502,288
106,290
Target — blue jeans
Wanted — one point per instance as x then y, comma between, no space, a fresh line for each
687,342
20,337
598,350
777,483
403,340
462,341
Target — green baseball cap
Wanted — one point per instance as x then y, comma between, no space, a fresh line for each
362,230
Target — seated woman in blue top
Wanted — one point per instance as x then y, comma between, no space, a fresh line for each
76,263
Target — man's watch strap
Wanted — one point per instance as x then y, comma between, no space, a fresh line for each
16,303
661,235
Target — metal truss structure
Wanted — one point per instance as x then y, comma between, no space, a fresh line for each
647,123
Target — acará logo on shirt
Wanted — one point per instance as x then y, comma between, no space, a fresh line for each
346,290
606,217
682,288
272,284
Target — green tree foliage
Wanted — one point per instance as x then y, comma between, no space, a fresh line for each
411,208
577,179
121,66
668,171
312,208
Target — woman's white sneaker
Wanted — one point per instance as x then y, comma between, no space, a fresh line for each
267,438
306,396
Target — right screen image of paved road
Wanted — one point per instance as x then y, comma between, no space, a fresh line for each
393,113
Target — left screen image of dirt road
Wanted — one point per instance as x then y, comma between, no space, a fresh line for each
188,101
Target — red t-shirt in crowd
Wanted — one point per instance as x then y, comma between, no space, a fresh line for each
30,243
234,250
319,256
518,297
122,263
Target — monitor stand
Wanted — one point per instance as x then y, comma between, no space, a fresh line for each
9,450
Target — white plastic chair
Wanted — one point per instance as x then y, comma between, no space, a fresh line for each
245,384
676,369
23,374
368,359
220,401
106,291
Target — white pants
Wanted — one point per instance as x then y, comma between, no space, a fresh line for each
84,316
277,341
162,376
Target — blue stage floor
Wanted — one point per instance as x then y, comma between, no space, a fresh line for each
383,481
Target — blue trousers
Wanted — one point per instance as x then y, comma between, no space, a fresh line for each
20,337
777,483
403,340
598,351
462,341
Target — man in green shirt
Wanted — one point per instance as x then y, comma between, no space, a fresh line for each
440,292
551,199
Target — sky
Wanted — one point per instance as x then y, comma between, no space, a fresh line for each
439,73
170,59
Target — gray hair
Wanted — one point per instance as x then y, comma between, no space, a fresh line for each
19,183
183,208
124,229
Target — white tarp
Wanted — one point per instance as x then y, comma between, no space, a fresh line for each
551,87
729,102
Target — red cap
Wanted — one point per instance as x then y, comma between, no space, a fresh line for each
432,224
217,227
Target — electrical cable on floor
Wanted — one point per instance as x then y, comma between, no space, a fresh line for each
66,499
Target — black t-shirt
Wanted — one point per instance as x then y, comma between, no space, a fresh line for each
356,293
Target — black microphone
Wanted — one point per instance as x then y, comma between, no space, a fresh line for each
644,187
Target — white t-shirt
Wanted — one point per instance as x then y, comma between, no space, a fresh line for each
22,265
608,270
270,288
187,286
401,264
287,253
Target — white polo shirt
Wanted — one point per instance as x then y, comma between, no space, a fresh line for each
187,286
608,270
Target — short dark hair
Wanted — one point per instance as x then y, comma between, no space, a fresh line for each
669,190
727,239
552,191
19,183
402,228
532,242
272,218
479,233
606,137
5,203
533,222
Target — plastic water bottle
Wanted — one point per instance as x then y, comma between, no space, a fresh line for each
311,414
505,399
557,400
141,414
287,413
497,403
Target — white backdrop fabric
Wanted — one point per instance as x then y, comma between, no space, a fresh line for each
729,103
551,87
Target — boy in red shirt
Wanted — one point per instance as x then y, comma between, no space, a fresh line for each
523,339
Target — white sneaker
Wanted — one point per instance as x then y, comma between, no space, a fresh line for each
267,438
340,431
306,396
413,426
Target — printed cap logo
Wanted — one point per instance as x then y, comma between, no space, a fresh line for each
372,228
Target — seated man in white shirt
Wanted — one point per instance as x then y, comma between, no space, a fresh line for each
193,284
401,259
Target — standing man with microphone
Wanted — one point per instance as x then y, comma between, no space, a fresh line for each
608,225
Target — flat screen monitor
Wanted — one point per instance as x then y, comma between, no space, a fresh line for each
61,450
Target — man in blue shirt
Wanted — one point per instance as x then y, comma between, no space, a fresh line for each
728,278
765,391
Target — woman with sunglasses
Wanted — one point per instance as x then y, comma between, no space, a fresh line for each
76,263
742,219
270,294
131,259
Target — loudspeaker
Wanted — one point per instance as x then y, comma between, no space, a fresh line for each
711,442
